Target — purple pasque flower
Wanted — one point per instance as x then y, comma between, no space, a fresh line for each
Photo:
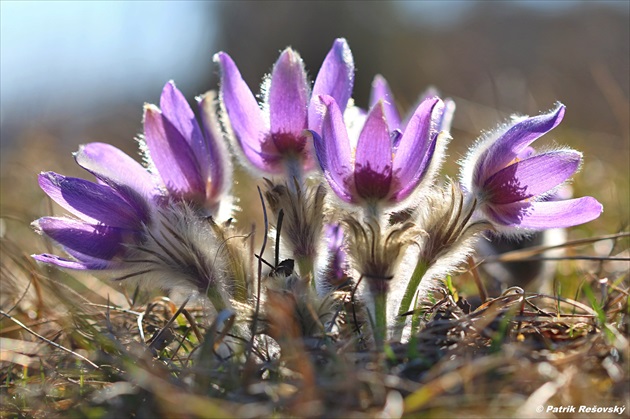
377,172
111,214
190,159
511,182
273,136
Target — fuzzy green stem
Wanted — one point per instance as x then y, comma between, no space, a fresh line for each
306,266
216,298
380,320
412,287
412,346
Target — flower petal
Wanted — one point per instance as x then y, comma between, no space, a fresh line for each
447,115
416,146
86,264
547,214
113,166
533,176
381,91
216,157
335,78
92,202
373,160
176,109
172,155
333,150
288,94
512,142
245,116
97,241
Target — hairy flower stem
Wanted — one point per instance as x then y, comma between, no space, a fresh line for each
216,298
412,286
380,319
306,266
412,346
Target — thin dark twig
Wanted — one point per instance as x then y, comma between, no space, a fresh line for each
599,258
354,311
168,324
28,286
517,255
483,293
278,230
262,251
193,325
50,342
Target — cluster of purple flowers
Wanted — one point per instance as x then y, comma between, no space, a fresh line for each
376,163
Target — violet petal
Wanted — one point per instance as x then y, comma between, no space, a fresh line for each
288,94
176,109
512,142
172,155
335,78
547,214
113,166
246,119
533,176
216,156
82,265
97,241
373,160
92,202
416,146
381,91
333,150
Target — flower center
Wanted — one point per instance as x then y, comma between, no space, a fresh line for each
288,143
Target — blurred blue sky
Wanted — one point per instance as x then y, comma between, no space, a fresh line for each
69,56
60,57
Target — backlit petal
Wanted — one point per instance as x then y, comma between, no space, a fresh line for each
216,157
513,141
172,155
373,160
92,202
97,241
416,146
86,263
176,109
335,78
533,176
246,118
288,94
547,214
381,91
115,167
332,149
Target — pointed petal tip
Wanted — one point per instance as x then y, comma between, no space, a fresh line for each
223,58
558,112
168,90
169,85
341,44
289,51
150,107
326,100
378,77
93,264
36,227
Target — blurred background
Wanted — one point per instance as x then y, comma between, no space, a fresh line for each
75,72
